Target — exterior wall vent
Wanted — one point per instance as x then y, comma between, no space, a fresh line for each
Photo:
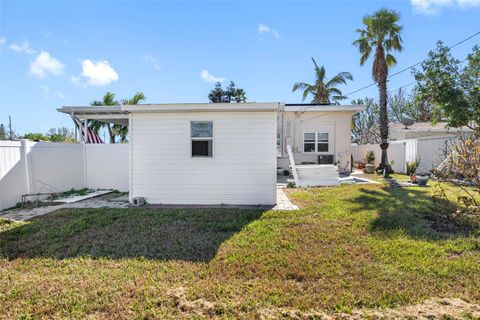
139,201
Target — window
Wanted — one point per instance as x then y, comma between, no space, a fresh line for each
202,138
316,142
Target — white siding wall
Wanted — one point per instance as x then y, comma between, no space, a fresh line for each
242,170
107,166
337,124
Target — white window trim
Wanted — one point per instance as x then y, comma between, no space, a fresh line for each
316,142
202,139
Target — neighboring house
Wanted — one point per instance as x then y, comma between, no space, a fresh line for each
398,131
319,134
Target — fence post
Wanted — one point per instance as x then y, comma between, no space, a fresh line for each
24,150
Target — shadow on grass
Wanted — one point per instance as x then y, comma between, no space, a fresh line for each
164,234
415,212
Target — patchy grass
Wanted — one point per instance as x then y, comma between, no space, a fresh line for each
349,247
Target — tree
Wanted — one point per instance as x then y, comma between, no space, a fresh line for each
107,100
35,136
114,130
323,91
381,34
120,130
61,134
453,87
365,123
3,133
230,94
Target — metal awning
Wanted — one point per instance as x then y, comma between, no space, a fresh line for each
110,114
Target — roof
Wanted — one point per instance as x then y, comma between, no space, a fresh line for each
111,114
203,107
424,126
305,107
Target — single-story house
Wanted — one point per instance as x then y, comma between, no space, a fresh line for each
318,134
222,153
398,131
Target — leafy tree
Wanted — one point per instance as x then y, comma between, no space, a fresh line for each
323,91
365,123
227,95
61,134
216,94
114,130
3,132
35,136
450,85
381,35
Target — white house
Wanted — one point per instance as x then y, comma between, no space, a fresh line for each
319,134
209,153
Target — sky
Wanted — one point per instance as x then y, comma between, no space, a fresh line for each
69,53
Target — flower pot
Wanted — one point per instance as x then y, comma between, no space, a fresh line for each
413,178
422,180
370,168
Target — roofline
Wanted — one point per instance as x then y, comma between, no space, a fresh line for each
325,107
204,107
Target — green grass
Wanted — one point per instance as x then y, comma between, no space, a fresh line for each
349,247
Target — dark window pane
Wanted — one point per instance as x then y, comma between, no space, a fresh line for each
201,148
309,147
322,147
202,129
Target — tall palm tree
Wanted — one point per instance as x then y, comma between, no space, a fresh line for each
323,91
239,95
382,35
115,129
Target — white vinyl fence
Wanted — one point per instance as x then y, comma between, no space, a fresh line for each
40,167
430,150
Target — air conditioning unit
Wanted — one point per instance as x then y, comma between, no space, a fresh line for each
139,201
325,159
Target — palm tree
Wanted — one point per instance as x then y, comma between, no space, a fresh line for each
115,129
323,91
239,95
122,131
107,100
382,34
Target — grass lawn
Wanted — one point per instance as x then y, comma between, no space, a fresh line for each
348,248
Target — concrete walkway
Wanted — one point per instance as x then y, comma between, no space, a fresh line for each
110,201
97,202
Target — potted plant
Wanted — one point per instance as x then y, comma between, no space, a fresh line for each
412,167
369,159
422,179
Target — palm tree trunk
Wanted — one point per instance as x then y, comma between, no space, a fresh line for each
110,133
382,86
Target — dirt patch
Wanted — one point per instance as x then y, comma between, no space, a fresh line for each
429,310
199,307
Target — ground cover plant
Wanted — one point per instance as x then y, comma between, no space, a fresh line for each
349,248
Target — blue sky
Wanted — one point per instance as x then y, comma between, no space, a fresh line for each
70,53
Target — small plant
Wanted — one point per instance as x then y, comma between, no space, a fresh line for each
291,185
412,166
369,156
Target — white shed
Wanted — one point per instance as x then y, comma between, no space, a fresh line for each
203,153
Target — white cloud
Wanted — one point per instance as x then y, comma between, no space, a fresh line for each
45,64
98,73
264,29
431,7
3,40
210,78
153,61
22,48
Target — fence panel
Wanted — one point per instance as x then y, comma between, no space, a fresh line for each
432,151
107,166
29,167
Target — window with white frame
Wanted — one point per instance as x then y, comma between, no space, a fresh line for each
201,133
316,142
